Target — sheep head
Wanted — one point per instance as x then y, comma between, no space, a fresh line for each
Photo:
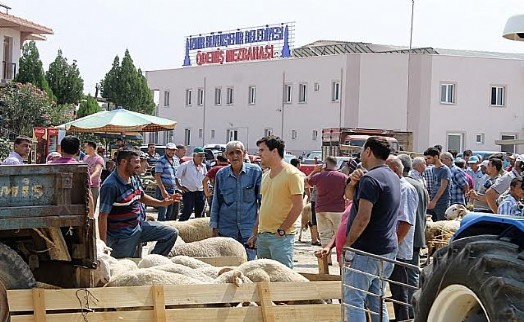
456,211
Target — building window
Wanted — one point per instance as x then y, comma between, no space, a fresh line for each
288,91
315,135
200,133
188,97
293,134
187,137
335,91
302,92
166,98
229,96
212,134
200,97
479,138
455,141
252,95
316,88
497,95
268,131
170,136
218,96
231,135
508,147
447,93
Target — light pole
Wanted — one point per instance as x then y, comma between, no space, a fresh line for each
409,63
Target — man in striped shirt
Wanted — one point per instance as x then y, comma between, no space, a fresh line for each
120,221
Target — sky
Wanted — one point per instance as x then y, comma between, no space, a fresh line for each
93,32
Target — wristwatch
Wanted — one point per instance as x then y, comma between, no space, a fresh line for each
281,232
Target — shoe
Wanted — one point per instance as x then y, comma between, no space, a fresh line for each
316,243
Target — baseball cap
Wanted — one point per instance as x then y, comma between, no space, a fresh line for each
198,150
171,146
473,159
484,163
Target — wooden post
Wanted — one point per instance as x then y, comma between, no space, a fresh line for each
323,267
159,303
266,304
39,304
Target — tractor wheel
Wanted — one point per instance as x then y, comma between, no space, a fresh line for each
474,279
14,274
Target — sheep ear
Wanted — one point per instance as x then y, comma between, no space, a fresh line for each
224,270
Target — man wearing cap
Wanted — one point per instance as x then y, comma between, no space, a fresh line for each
165,170
474,171
189,176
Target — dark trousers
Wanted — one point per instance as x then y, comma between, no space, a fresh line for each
313,214
192,200
400,293
170,212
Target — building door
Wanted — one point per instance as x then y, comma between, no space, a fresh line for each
508,147
456,141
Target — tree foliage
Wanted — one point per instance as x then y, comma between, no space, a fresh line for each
24,106
65,81
88,106
125,85
5,148
30,68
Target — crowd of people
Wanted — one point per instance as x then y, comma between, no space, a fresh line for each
376,203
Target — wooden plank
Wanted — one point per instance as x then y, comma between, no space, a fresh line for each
235,314
323,267
305,291
321,277
159,303
266,304
310,312
38,222
39,305
223,261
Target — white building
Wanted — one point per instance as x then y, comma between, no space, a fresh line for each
460,99
14,31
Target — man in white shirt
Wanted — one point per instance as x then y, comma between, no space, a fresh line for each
22,147
189,176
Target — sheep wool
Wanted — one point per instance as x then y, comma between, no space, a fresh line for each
153,260
192,230
211,247
190,262
151,276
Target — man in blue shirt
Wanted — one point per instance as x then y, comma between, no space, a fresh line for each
165,171
236,197
372,228
120,220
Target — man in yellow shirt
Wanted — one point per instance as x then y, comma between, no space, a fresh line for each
282,189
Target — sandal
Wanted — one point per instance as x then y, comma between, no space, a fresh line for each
316,243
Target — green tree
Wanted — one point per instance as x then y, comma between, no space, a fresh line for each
125,85
24,107
88,106
5,148
65,81
30,69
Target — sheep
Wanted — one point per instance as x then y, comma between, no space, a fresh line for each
190,262
267,270
151,276
305,219
212,247
456,211
153,260
187,271
121,266
192,230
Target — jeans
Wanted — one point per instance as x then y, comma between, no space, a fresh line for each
413,276
192,199
170,212
400,293
355,298
276,248
146,231
439,212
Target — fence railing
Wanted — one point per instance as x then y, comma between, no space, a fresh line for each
381,294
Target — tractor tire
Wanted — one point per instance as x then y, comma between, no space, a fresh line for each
14,274
479,278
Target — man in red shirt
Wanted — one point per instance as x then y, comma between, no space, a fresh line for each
330,203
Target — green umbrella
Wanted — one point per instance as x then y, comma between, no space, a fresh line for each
119,121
